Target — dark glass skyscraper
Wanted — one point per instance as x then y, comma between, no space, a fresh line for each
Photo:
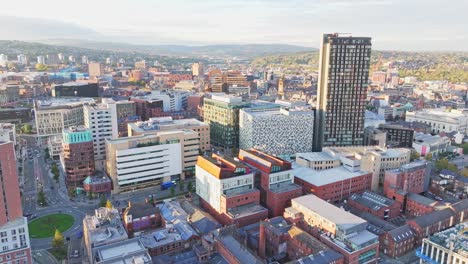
342,90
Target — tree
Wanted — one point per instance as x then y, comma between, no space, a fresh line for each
464,172
27,128
41,198
173,191
41,67
46,153
414,155
58,241
464,146
428,156
109,204
452,167
71,192
55,171
102,201
190,186
181,186
441,164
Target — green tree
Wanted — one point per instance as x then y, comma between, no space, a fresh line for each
173,191
41,198
58,241
190,186
71,192
26,128
464,146
41,67
109,204
428,156
46,153
102,201
181,185
452,167
441,164
414,155
464,172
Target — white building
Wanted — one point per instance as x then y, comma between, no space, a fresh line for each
427,143
238,90
102,121
8,132
22,59
442,120
141,161
211,187
279,132
3,60
53,115
174,100
14,240
41,60
369,158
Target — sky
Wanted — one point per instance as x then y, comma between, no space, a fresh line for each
393,24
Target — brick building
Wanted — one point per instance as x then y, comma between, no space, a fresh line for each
146,108
226,188
410,178
235,252
418,205
334,184
77,155
431,223
274,178
14,245
398,242
334,226
375,204
141,216
97,184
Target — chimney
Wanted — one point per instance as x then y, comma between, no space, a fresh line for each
262,241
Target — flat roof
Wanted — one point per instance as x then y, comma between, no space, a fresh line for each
120,249
315,156
324,177
329,211
63,102
238,250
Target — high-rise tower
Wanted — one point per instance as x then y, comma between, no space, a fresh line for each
342,90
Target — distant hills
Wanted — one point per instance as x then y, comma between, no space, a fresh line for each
234,50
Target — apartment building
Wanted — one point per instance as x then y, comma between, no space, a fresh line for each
101,120
15,245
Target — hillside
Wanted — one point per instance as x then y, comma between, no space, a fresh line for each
451,66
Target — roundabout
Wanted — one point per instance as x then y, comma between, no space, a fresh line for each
44,227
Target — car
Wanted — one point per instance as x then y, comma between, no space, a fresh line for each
438,198
38,155
75,254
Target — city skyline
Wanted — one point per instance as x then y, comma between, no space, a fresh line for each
394,24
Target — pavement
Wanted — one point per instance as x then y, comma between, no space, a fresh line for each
43,257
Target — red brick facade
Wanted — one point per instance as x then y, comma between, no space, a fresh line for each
226,219
339,190
78,159
394,210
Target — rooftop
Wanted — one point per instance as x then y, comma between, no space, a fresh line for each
324,177
433,217
305,238
78,83
104,226
165,123
416,165
372,200
264,161
328,211
242,254
222,167
62,103
455,238
315,156
428,138
322,257
245,210
401,233
140,209
124,252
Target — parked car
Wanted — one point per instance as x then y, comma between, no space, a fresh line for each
75,254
